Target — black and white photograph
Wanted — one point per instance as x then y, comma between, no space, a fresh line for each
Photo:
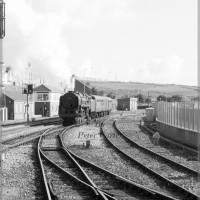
99,100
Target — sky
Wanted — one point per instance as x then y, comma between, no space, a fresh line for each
149,41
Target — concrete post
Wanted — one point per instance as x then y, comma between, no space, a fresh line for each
164,111
184,115
193,121
168,112
189,109
174,114
171,113
180,116
198,117
177,114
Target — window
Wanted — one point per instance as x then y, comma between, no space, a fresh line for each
42,97
16,108
45,97
20,108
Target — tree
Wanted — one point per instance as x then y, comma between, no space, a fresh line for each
140,98
161,98
101,93
177,97
87,83
147,100
94,91
111,95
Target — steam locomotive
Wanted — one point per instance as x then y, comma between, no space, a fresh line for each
74,105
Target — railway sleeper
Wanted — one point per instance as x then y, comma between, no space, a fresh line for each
51,148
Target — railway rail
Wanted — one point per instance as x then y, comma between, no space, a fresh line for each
65,184
35,122
149,164
129,136
21,139
179,153
99,183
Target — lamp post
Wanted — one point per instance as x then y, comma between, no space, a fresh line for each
2,34
2,19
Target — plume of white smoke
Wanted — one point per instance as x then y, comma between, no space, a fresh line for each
36,37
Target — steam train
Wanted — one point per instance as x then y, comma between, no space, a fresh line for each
75,105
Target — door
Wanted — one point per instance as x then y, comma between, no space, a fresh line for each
45,111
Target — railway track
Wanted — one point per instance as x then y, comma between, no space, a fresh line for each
160,168
128,134
87,180
21,139
142,136
48,121
60,172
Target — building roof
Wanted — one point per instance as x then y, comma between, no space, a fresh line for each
14,92
12,88
47,88
15,95
101,97
128,99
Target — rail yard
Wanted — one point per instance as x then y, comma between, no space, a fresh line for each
99,100
112,159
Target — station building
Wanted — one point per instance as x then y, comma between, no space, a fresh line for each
46,100
127,104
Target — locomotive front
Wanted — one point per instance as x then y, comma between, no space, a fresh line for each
73,106
68,107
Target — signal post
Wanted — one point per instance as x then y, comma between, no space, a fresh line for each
27,89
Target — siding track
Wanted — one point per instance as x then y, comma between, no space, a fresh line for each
175,176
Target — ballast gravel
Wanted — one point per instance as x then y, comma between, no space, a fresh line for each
22,132
20,174
103,155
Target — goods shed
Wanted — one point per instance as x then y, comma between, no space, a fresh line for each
46,100
127,104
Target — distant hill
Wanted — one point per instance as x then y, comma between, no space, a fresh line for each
133,88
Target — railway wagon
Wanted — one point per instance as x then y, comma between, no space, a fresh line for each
74,106
100,106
